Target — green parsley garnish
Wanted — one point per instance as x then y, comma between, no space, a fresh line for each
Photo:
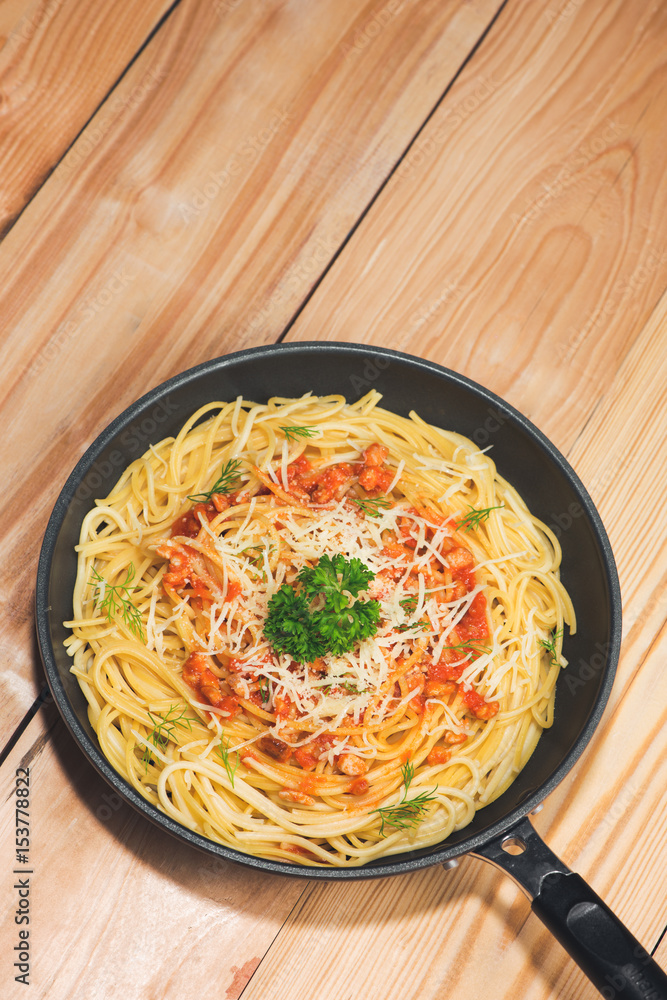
290,628
305,633
371,506
409,812
164,729
292,432
265,694
474,517
223,750
115,600
225,482
550,646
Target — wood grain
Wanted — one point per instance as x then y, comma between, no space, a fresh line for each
524,230
520,240
58,60
196,224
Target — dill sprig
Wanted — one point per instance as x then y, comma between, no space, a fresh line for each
264,690
474,648
409,605
164,728
371,506
474,517
115,600
225,482
550,646
409,812
292,432
223,750
421,624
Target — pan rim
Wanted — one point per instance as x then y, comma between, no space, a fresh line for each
392,864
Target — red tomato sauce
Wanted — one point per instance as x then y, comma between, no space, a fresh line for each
198,675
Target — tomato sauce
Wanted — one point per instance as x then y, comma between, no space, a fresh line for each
473,627
480,709
198,675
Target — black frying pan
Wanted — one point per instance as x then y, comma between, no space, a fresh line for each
596,939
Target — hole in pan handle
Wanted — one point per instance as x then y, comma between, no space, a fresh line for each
590,932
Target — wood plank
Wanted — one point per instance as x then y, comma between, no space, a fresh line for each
117,906
623,455
161,246
59,59
524,231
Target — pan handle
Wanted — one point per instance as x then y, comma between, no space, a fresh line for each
589,931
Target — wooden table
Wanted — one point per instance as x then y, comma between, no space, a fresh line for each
479,183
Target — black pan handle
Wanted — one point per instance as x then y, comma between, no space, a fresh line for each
589,931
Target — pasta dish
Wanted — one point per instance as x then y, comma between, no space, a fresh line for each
316,631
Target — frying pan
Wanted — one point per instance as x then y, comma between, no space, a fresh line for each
500,833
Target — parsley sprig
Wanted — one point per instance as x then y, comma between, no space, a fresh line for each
301,626
372,506
225,482
475,516
115,600
292,432
409,812
164,729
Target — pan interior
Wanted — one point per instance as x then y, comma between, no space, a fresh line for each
522,455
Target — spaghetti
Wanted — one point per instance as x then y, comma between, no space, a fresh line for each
316,631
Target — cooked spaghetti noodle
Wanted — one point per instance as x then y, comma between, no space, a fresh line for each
361,747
